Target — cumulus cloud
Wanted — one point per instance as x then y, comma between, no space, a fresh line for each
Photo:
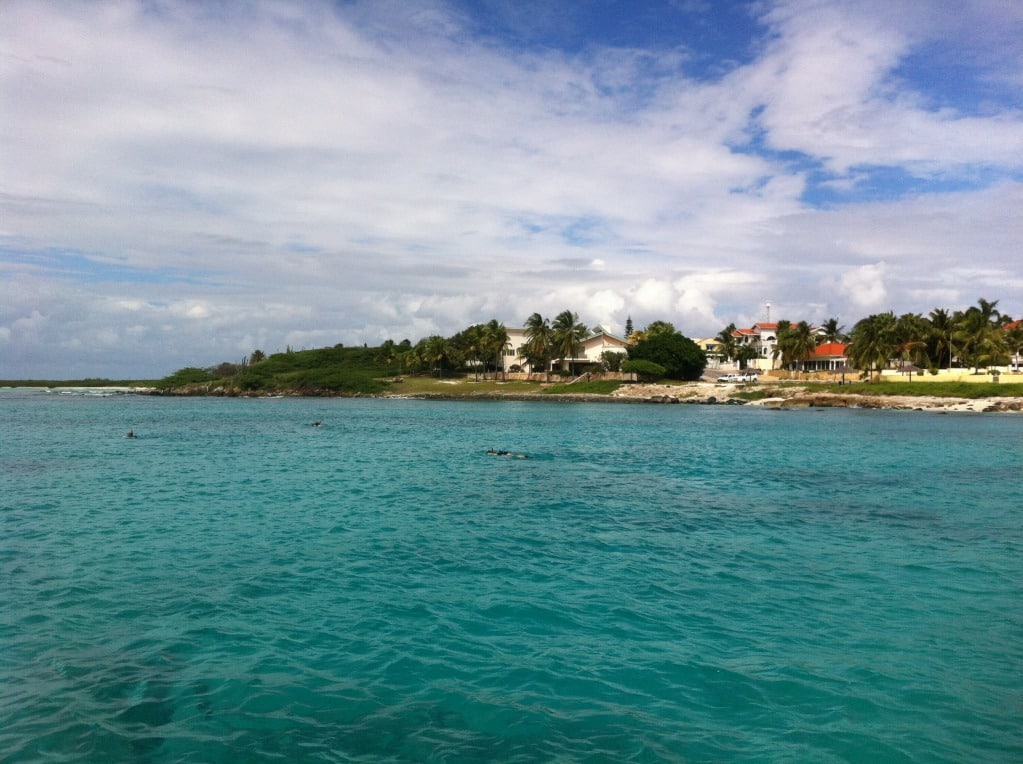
830,88
864,287
263,174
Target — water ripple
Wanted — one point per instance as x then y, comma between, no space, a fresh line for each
666,584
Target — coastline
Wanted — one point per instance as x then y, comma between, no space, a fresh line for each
806,397
709,393
695,393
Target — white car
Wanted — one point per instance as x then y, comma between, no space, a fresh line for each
747,376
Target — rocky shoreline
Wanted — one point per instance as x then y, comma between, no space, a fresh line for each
707,393
701,393
804,397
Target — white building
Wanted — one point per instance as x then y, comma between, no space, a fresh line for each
763,338
598,341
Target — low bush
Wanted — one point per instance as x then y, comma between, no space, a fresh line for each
645,370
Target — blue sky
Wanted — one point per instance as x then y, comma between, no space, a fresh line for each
181,183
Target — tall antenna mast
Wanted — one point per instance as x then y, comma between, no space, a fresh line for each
768,312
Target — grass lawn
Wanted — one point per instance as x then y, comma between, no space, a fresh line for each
460,385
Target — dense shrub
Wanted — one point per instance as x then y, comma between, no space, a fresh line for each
643,369
186,376
680,356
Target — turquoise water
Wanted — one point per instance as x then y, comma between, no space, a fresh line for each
656,583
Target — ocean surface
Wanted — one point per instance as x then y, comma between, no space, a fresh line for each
653,584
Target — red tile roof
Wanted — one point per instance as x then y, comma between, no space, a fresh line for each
831,349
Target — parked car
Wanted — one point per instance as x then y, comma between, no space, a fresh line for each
745,376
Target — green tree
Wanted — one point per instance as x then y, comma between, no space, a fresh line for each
414,358
256,357
388,353
782,347
568,334
744,354
911,333
470,344
537,349
727,346
979,337
801,342
644,370
989,309
611,360
224,369
680,356
873,342
439,353
1014,340
939,337
833,332
653,328
628,327
495,343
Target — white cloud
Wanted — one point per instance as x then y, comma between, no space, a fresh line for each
864,287
221,178
828,87
653,297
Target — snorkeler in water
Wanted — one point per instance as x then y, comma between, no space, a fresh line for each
492,452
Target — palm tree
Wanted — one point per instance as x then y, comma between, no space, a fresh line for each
473,345
988,309
726,343
568,334
414,357
495,342
437,353
388,353
539,339
801,342
781,344
873,342
1014,339
940,336
911,332
980,342
832,331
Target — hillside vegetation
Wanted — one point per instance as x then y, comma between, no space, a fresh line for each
324,371
358,371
